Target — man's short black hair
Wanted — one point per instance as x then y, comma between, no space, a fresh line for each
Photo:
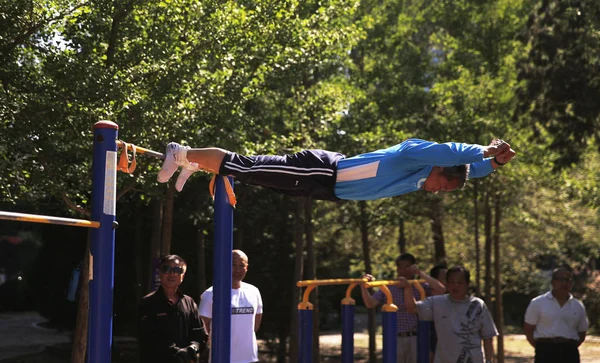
172,258
406,257
435,271
459,269
559,270
459,173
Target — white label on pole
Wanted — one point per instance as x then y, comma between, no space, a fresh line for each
110,183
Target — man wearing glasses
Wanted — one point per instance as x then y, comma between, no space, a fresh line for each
169,325
555,322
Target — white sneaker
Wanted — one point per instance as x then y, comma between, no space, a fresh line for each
184,174
175,155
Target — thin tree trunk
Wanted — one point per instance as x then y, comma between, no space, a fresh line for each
498,307
477,247
157,217
282,335
311,274
113,38
364,233
238,235
139,251
167,230
81,325
488,249
283,253
437,230
201,265
298,273
401,236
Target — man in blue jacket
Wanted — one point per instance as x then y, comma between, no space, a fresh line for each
319,174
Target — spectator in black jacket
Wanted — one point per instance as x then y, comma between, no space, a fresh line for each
169,325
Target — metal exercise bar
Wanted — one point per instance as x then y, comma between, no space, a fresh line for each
141,150
329,282
36,218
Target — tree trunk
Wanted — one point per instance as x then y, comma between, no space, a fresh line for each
157,217
488,249
498,307
401,236
81,325
364,233
477,247
282,335
118,17
201,265
139,251
283,256
437,230
298,273
238,228
167,230
311,274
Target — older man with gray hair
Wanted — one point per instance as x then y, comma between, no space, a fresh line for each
555,322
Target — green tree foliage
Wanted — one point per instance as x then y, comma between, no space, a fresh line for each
276,76
561,75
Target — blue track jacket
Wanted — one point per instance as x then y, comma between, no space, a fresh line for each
403,168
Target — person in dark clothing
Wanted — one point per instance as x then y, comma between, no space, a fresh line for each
170,329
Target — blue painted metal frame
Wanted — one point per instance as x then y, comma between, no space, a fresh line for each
348,312
221,322
104,186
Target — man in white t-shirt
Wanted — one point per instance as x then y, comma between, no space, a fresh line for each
246,312
555,322
462,322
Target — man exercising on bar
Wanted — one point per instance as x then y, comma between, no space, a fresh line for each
319,174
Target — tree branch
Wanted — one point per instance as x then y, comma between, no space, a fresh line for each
119,16
74,206
20,39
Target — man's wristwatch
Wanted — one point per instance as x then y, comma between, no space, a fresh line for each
501,164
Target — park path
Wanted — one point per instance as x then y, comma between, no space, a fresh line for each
517,350
23,333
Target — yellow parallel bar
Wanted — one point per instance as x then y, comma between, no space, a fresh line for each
389,282
311,284
141,150
36,218
329,282
389,306
383,283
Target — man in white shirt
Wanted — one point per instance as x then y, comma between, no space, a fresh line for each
246,312
555,322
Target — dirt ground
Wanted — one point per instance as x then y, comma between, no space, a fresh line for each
23,339
516,348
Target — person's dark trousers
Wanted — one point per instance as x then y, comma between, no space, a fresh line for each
552,352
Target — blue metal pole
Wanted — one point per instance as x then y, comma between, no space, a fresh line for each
423,340
305,321
389,335
221,323
348,333
104,188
